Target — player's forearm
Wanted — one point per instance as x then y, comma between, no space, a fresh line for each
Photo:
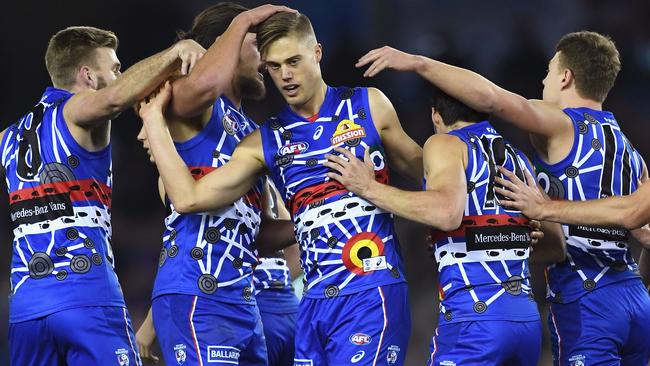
139,80
180,186
274,235
213,74
426,207
467,86
615,211
552,248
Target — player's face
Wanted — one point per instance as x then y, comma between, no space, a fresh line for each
552,80
293,63
107,67
142,137
249,80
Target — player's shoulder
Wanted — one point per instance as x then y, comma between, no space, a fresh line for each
443,145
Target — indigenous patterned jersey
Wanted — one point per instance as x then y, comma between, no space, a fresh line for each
602,163
211,254
347,244
483,265
60,205
272,274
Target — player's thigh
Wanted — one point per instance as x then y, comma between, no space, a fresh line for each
95,335
196,330
374,328
30,344
279,332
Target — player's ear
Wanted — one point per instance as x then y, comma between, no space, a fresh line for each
86,76
568,78
318,50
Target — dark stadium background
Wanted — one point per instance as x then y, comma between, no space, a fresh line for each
508,41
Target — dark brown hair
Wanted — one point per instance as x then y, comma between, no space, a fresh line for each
72,47
211,23
452,110
280,25
594,61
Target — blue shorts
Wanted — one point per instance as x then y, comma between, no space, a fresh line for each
371,327
279,311
486,343
193,330
608,326
93,335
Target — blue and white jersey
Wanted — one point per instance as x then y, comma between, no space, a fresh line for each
272,273
347,244
60,204
211,254
602,163
483,265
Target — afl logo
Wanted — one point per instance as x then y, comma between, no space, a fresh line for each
230,124
360,339
293,149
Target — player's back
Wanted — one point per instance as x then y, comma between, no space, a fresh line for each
483,265
602,163
60,205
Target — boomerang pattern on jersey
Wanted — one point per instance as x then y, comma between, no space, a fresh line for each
60,203
483,265
347,244
602,163
211,254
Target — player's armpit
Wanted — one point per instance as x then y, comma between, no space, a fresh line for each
404,154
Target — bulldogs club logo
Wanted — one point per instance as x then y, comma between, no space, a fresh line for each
122,357
230,124
179,353
348,132
393,354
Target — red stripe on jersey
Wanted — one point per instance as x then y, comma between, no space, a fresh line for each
478,221
313,118
79,190
252,197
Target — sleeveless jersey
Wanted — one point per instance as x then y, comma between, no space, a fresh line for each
211,254
483,265
347,244
602,163
272,273
60,205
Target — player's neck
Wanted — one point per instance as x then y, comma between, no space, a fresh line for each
312,106
458,125
573,100
182,130
234,97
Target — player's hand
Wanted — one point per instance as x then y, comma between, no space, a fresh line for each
525,197
536,234
189,52
144,338
354,174
386,58
259,14
642,235
153,107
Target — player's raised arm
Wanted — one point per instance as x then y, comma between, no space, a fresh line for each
441,205
404,154
215,190
214,73
477,92
90,107
631,211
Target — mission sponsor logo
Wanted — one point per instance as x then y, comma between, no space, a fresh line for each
347,130
293,149
360,339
